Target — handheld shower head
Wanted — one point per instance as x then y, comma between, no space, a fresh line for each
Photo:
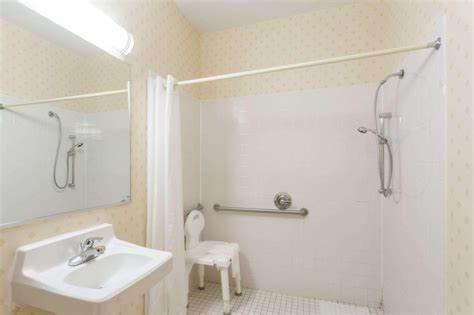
52,114
364,130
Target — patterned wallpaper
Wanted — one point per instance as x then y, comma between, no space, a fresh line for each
357,28
35,68
304,37
166,43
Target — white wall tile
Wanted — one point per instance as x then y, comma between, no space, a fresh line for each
414,218
30,137
304,143
191,144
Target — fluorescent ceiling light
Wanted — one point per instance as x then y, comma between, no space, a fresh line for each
86,21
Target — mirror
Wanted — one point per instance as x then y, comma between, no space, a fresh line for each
59,156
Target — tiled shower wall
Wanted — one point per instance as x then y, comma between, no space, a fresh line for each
306,144
191,144
99,162
350,29
415,216
24,173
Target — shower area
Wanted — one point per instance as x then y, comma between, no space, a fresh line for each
361,163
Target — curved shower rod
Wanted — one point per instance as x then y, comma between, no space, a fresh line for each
435,44
70,98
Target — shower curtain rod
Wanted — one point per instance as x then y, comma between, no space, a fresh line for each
68,98
435,44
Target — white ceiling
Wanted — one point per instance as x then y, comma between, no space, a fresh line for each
213,15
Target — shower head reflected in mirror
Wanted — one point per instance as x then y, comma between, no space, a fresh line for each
74,147
364,130
70,157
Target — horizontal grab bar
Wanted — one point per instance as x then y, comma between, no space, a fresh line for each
302,212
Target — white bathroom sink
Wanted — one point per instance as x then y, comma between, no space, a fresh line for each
42,277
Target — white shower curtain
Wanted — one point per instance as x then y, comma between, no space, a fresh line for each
164,190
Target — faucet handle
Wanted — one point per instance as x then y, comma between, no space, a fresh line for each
89,242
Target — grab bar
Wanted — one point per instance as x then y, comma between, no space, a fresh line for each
302,212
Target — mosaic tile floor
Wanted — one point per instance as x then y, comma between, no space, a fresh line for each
260,302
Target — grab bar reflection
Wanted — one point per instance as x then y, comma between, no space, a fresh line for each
302,212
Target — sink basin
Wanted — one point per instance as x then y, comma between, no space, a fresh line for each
101,273
42,277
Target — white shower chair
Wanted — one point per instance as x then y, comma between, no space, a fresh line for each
222,255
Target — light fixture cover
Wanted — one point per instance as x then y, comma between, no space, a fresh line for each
86,21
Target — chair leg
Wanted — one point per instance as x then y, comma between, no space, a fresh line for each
238,287
236,271
225,289
188,269
201,276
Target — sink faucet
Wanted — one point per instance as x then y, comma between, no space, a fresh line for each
88,251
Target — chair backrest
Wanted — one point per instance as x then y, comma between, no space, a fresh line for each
193,227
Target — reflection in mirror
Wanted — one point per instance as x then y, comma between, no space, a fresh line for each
59,156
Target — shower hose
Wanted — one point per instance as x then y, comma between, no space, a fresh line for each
58,147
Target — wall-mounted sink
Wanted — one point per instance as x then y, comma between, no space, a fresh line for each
43,278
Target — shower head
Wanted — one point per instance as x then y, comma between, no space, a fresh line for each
52,114
364,130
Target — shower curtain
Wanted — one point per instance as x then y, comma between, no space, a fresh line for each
164,193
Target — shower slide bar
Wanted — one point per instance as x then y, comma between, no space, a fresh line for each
435,44
68,98
302,212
